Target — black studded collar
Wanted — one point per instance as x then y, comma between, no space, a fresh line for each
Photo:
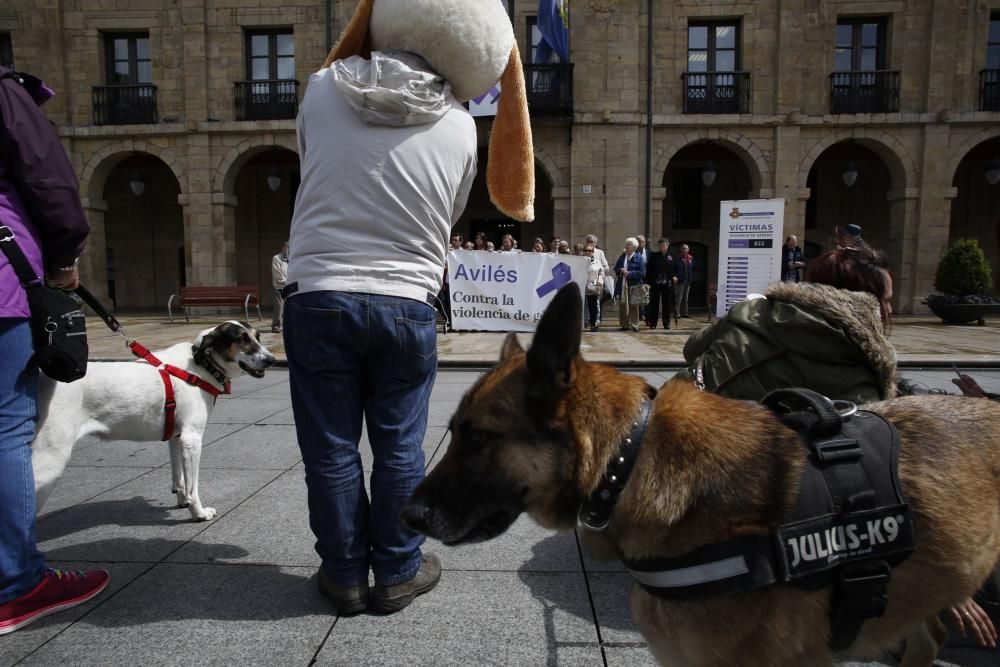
595,511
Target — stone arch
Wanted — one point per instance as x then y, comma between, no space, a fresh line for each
958,154
749,153
229,168
97,169
902,170
549,166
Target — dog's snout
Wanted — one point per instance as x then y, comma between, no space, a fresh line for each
415,516
268,360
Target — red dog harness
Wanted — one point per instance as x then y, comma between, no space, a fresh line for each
166,370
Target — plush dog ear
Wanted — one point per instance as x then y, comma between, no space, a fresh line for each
356,39
510,171
511,347
557,339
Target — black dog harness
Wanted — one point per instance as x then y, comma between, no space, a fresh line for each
850,524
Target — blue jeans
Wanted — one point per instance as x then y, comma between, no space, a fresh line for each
352,355
21,563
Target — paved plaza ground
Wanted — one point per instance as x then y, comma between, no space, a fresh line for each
241,590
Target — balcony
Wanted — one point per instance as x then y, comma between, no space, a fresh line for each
864,92
124,105
989,90
716,92
550,89
266,100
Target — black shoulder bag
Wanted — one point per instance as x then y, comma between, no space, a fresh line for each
58,327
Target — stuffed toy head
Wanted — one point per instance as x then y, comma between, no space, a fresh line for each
470,43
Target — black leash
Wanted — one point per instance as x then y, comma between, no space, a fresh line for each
98,308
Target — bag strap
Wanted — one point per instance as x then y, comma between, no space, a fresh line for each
25,274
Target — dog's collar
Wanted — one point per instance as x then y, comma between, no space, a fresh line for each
595,511
209,364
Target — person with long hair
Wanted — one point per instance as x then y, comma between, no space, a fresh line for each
827,334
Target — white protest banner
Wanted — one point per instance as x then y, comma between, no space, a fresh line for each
507,291
750,237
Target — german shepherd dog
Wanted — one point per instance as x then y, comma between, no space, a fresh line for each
532,436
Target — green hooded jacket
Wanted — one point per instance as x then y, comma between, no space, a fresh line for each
802,335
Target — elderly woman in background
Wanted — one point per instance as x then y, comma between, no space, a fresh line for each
630,270
595,285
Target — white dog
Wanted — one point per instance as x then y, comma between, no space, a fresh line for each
125,400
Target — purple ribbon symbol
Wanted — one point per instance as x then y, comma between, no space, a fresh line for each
494,91
561,275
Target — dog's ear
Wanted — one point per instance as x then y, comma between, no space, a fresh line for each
203,344
511,347
557,339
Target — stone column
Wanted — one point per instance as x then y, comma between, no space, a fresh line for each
933,226
93,262
904,236
224,237
785,168
562,214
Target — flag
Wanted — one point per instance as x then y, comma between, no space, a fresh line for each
553,23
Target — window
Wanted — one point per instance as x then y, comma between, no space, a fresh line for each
270,55
992,42
6,51
713,47
534,38
127,59
713,82
860,45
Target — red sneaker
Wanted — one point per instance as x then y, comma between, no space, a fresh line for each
56,591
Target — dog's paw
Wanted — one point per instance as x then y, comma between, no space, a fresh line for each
207,514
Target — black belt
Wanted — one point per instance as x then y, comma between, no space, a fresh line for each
292,288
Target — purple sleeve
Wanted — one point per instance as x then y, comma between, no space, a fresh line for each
37,165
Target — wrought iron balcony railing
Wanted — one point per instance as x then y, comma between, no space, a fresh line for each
864,92
124,105
716,92
266,100
989,90
550,89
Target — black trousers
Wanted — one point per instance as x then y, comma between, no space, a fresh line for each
661,295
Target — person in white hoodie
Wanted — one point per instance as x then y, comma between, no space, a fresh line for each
388,157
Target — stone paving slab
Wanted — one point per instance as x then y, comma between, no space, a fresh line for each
917,339
476,618
181,614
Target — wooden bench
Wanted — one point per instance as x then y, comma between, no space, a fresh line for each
223,296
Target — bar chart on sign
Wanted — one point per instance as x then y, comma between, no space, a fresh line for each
745,277
750,233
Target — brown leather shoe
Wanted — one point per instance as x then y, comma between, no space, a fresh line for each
346,599
390,599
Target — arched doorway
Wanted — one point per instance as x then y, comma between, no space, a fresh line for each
144,234
975,211
849,184
691,208
265,190
481,215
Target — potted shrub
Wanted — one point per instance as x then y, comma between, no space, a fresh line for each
963,279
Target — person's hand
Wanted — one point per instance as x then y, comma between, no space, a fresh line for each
969,386
675,280
66,280
969,618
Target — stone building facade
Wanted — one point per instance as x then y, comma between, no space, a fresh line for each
188,171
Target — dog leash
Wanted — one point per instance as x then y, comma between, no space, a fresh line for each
166,370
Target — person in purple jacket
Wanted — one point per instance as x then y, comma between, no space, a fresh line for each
40,210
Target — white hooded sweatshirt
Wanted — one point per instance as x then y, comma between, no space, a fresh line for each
388,157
